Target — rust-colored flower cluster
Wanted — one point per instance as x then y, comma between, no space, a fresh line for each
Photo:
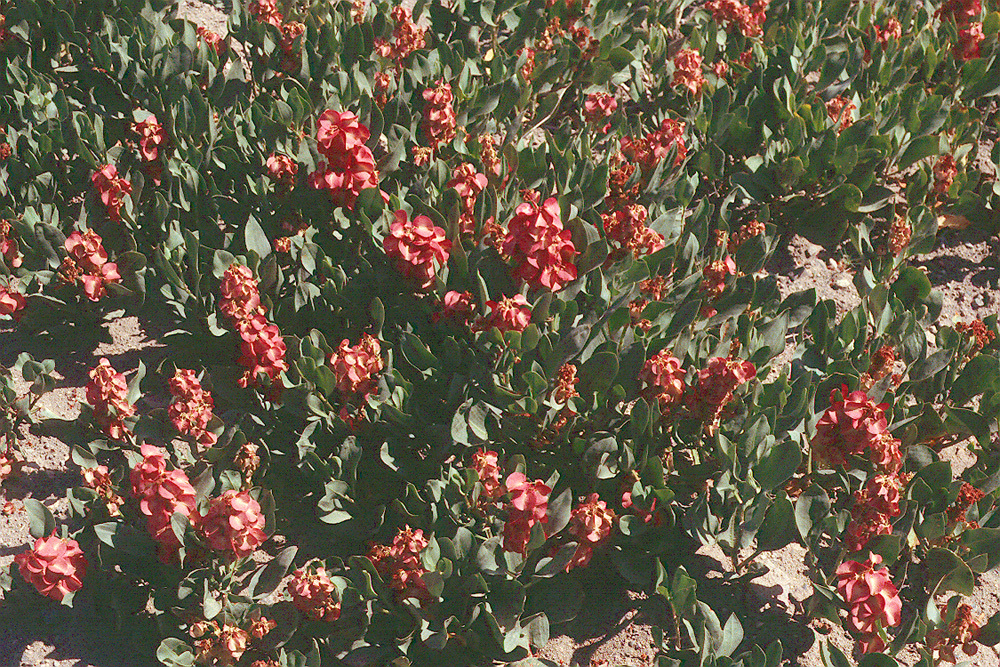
262,349
969,39
977,329
598,107
507,314
715,387
266,11
960,11
735,16
872,601
111,189
469,184
961,633
840,108
900,233
191,410
892,30
161,494
648,151
439,115
748,231
152,137
213,39
291,45
415,246
875,506
566,381
87,263
399,564
662,381
99,479
54,566
223,645
539,247
850,426
233,524
455,307
350,166
107,393
591,523
945,171
967,496
5,148
687,71
407,37
528,506
626,228
313,594
12,256
713,278
487,466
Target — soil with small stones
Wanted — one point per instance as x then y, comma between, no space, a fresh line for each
615,623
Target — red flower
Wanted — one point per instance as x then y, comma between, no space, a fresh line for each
599,106
848,427
356,367
945,170
455,306
734,15
439,115
111,189
541,250
282,169
528,505
687,71
107,393
416,245
400,566
161,494
54,566
962,11
240,299
468,183
871,598
8,245
214,40
407,37
191,410
656,145
662,380
312,594
262,350
627,228
716,384
969,39
152,137
12,303
591,523
233,524
266,11
487,467
508,314
841,108
339,136
892,30
714,275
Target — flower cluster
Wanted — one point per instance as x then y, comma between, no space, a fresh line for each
407,37
900,233
262,349
266,11
357,367
191,410
598,107
872,601
439,115
962,632
290,32
8,245
649,150
219,645
541,250
282,170
161,494
54,566
840,108
566,381
399,564
716,384
416,245
627,228
350,165
247,461
233,524
875,505
977,329
733,15
12,303
99,479
455,306
713,281
312,593
468,183
213,39
152,137
107,393
528,506
87,263
945,171
960,11
748,231
487,466
111,189
662,381
967,496
687,71
591,524
849,427
969,39
508,314
892,30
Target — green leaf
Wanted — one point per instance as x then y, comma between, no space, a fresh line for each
918,149
778,528
779,465
41,523
946,571
173,652
256,238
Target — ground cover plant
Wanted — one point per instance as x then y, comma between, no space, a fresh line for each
466,298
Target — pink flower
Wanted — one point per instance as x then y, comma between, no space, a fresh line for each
191,410
415,246
282,169
340,135
714,275
266,11
312,594
54,566
12,303
872,600
240,299
647,152
214,40
161,494
107,393
599,107
439,115
541,250
487,467
152,137
848,427
455,306
735,16
528,505
111,189
969,39
715,387
400,566
662,380
892,30
468,183
262,351
591,523
627,228
356,368
687,71
234,524
407,37
508,314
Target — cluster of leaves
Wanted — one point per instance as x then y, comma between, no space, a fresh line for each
513,416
